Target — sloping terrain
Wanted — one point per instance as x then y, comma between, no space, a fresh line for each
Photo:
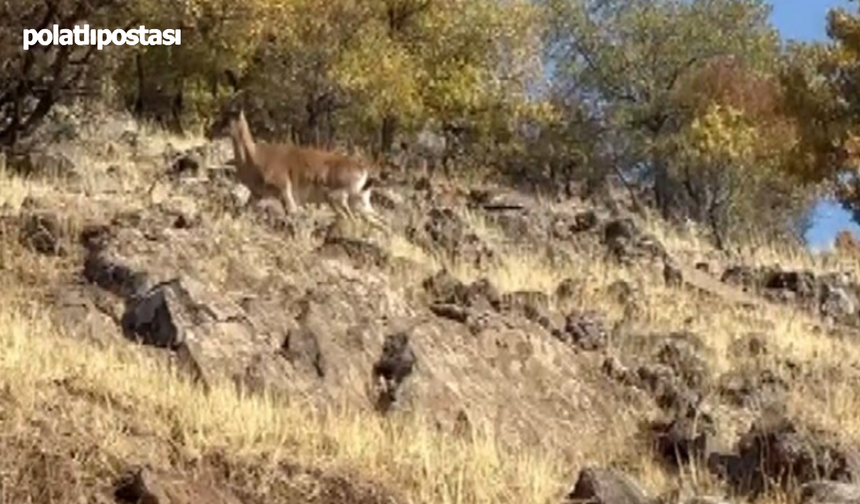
160,342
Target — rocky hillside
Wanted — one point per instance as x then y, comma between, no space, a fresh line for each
162,344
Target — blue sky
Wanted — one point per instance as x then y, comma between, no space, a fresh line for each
804,20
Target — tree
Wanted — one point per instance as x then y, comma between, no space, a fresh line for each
33,81
322,70
823,81
184,81
625,59
731,150
448,60
685,96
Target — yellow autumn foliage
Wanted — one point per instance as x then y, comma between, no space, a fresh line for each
723,133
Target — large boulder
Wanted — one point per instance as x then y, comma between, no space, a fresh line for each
142,485
627,243
777,451
606,486
327,325
444,231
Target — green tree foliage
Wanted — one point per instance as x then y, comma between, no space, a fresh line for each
321,69
729,156
170,83
824,95
683,93
694,103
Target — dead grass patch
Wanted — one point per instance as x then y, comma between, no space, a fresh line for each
137,409
407,454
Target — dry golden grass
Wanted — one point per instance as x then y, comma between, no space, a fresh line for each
16,189
406,454
789,334
827,395
692,243
141,402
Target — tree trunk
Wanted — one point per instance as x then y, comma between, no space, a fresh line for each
309,134
177,107
663,196
138,103
389,130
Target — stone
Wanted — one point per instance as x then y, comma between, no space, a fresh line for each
605,486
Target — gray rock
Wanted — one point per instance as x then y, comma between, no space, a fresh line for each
587,330
43,233
830,492
446,232
240,196
672,274
778,451
837,302
164,315
707,499
393,367
605,486
362,253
